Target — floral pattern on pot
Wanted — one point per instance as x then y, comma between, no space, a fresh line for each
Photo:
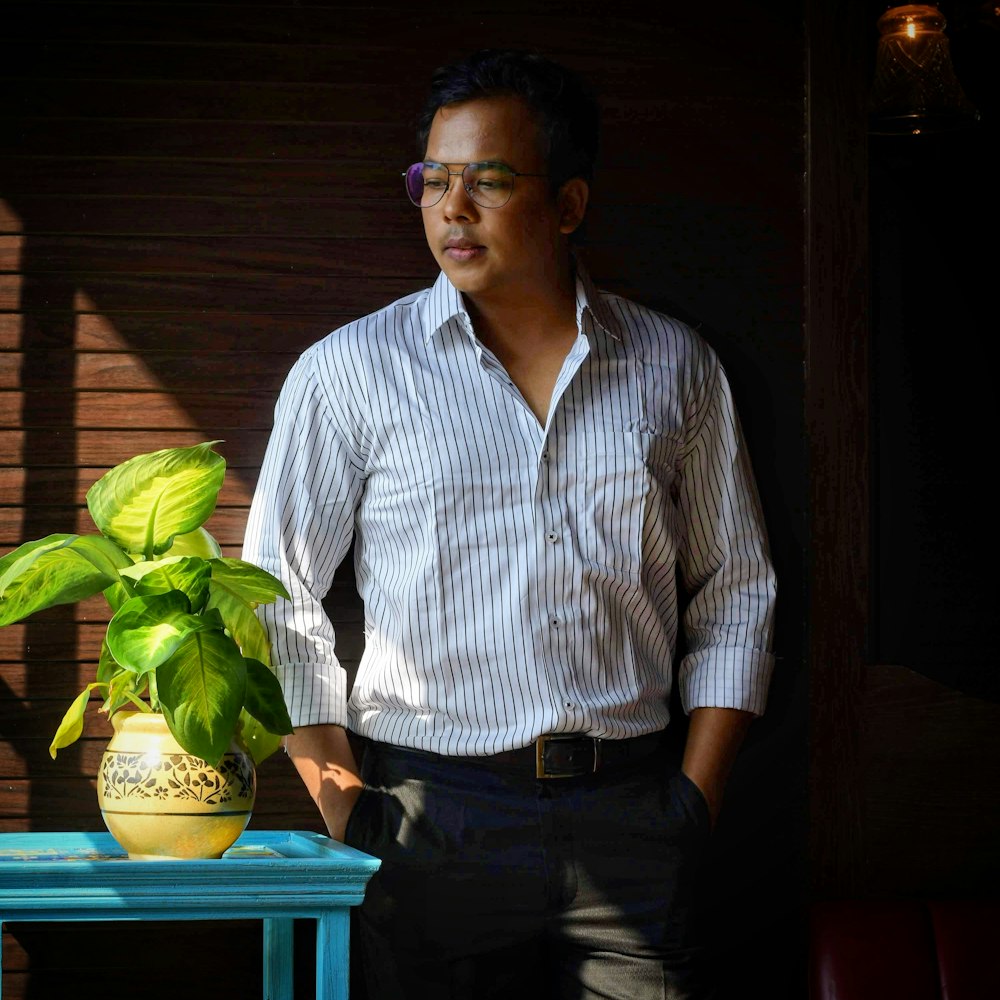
177,776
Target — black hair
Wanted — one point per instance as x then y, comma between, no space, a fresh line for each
566,108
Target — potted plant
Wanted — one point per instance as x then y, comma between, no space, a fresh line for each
184,664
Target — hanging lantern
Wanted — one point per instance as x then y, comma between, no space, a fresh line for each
915,88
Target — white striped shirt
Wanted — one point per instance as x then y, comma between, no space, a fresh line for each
517,579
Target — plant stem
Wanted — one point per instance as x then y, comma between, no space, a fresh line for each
154,697
138,702
149,530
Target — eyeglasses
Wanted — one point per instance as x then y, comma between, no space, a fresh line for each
489,185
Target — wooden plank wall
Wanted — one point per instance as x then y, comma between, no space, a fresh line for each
191,193
837,416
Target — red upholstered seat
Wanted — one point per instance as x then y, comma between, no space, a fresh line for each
968,949
911,950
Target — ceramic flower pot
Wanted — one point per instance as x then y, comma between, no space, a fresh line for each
160,802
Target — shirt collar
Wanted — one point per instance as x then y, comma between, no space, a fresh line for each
589,299
445,303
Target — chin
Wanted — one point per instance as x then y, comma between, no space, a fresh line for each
464,278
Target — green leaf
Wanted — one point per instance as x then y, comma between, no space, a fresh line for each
102,552
15,563
141,567
117,594
58,569
188,574
195,543
71,727
241,622
264,717
127,689
236,588
248,582
149,630
256,738
124,687
264,699
144,502
201,690
107,666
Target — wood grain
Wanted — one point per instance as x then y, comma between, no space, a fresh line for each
255,373
838,437
185,100
68,486
243,256
218,413
369,142
190,293
227,524
126,214
932,822
220,331
68,447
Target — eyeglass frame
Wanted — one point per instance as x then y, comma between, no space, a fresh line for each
461,173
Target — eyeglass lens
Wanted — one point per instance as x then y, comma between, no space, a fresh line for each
488,184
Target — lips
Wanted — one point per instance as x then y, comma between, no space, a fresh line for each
462,250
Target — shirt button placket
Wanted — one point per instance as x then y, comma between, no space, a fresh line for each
552,561
550,558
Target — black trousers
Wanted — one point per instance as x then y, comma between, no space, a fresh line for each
500,885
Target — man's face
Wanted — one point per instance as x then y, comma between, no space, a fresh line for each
495,254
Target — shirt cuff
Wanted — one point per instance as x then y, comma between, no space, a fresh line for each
726,677
315,693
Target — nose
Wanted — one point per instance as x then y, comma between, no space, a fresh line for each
457,203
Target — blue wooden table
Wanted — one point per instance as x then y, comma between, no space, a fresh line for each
270,876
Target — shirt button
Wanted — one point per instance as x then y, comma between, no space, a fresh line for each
552,536
545,455
570,705
554,622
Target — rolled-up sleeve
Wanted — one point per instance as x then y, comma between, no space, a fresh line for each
724,560
300,528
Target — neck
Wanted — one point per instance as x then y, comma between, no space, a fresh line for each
530,334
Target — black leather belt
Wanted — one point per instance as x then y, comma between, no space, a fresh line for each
559,755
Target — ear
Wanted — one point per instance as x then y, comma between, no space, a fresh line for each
572,202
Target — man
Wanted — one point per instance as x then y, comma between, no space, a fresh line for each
527,467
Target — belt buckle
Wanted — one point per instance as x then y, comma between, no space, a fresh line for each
542,768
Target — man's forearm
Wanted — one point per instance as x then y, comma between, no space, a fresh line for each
713,740
323,757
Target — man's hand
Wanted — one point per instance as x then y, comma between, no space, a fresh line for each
713,740
325,762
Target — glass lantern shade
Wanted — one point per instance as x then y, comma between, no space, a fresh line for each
915,88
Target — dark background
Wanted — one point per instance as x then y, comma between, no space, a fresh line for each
930,722
192,193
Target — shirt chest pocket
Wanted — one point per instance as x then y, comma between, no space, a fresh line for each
623,483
